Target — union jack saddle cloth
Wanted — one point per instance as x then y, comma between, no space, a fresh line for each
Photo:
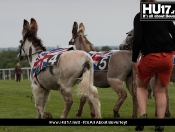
101,59
48,58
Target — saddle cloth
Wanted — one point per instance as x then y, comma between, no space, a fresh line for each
48,58
101,59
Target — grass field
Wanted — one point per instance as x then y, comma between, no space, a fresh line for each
16,102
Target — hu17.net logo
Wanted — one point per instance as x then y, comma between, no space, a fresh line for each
157,11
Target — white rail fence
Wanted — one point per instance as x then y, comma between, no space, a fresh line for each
9,73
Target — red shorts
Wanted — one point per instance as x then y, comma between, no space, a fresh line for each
156,63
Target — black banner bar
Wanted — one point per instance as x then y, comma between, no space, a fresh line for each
162,11
86,122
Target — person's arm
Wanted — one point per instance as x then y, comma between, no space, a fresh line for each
138,32
171,28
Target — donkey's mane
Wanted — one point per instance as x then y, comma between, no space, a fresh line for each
89,43
36,42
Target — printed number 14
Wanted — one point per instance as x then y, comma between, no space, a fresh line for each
53,59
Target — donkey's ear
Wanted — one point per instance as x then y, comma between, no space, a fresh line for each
130,31
33,26
25,27
82,28
74,28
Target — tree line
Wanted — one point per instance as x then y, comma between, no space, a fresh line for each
8,59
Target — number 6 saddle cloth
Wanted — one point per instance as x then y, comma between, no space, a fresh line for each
101,59
48,58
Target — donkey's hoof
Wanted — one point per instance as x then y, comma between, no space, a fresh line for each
116,114
134,116
167,114
78,115
79,112
47,115
92,115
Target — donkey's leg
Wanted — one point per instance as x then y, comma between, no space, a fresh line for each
82,103
80,109
133,91
92,110
117,86
149,92
167,112
41,97
67,97
94,102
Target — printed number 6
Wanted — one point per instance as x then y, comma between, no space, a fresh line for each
103,61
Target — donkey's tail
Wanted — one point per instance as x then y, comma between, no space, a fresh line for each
86,87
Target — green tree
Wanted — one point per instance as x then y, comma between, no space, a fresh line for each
105,48
8,59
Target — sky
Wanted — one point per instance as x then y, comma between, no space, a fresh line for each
106,21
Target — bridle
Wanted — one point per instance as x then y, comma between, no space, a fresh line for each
21,48
72,41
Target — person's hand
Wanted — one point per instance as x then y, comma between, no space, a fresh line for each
135,67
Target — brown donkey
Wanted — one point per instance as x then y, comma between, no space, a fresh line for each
119,70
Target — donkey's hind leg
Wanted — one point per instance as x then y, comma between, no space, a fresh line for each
67,97
131,85
117,86
92,110
81,105
41,97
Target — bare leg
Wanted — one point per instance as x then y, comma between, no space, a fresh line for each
160,98
142,95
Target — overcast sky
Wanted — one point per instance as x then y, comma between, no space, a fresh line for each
106,21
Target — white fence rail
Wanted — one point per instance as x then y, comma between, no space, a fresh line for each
9,73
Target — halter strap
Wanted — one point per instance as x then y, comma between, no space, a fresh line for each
24,50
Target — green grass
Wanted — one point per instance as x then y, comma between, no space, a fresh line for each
16,102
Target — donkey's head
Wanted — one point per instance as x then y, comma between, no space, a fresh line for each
29,43
79,39
127,43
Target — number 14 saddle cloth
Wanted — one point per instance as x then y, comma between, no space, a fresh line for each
48,58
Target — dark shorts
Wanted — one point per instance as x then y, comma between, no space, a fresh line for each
156,63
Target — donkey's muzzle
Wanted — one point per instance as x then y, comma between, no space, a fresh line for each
71,42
